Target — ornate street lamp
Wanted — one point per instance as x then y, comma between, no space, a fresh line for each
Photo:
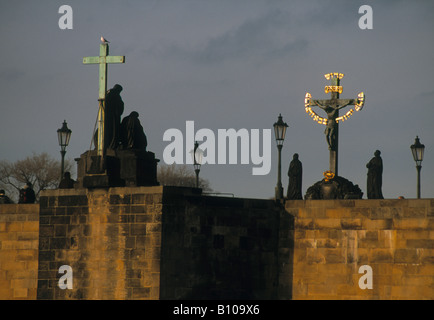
279,132
63,134
417,150
197,155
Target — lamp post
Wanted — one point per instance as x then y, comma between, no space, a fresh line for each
417,150
63,134
197,155
279,132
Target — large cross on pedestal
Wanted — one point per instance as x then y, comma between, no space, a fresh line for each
103,59
332,107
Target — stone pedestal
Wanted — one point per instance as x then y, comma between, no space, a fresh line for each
138,167
91,173
334,188
132,167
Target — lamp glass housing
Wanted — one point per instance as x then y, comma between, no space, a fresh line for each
280,130
197,156
417,149
63,135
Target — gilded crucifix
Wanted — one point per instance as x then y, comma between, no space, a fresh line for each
332,107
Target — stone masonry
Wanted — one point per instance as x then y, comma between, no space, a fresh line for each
19,239
174,243
334,238
111,238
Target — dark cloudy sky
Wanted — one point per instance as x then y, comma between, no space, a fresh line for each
227,64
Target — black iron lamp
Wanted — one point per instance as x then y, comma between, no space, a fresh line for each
417,149
197,155
63,134
279,132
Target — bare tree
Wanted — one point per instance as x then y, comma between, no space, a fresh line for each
41,170
180,176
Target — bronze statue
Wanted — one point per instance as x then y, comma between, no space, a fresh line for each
332,111
66,182
295,173
331,107
375,180
132,134
333,187
114,107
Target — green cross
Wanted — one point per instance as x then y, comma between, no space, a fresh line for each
103,59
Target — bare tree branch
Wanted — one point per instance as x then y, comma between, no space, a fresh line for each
41,170
180,176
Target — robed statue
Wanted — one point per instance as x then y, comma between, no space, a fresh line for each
114,107
375,176
132,134
295,173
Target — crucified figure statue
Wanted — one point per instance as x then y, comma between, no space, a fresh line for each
332,109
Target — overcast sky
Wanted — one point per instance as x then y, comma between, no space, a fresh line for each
227,64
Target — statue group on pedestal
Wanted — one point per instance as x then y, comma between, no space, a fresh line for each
126,161
120,157
335,187
125,134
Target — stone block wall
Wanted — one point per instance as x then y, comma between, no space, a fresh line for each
223,248
111,238
19,239
158,243
334,238
174,243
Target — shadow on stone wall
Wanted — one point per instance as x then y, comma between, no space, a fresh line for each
225,248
